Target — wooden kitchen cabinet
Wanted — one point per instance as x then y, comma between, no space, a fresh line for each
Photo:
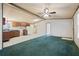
10,34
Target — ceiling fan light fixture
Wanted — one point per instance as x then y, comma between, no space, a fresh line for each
46,10
46,15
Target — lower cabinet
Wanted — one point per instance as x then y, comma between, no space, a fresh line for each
10,34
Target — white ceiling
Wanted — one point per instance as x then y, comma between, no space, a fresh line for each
63,10
12,13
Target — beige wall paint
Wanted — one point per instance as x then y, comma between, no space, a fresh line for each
59,27
41,27
75,18
0,26
62,27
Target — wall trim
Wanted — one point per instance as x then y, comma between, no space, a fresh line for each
75,11
25,10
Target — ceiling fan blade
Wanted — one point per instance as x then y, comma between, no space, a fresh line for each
52,12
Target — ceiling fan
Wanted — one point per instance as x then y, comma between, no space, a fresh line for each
47,13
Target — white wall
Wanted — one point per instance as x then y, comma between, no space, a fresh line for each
59,27
41,27
62,28
75,18
0,26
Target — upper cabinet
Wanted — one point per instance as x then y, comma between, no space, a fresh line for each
22,24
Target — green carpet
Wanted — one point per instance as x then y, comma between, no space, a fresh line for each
42,46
